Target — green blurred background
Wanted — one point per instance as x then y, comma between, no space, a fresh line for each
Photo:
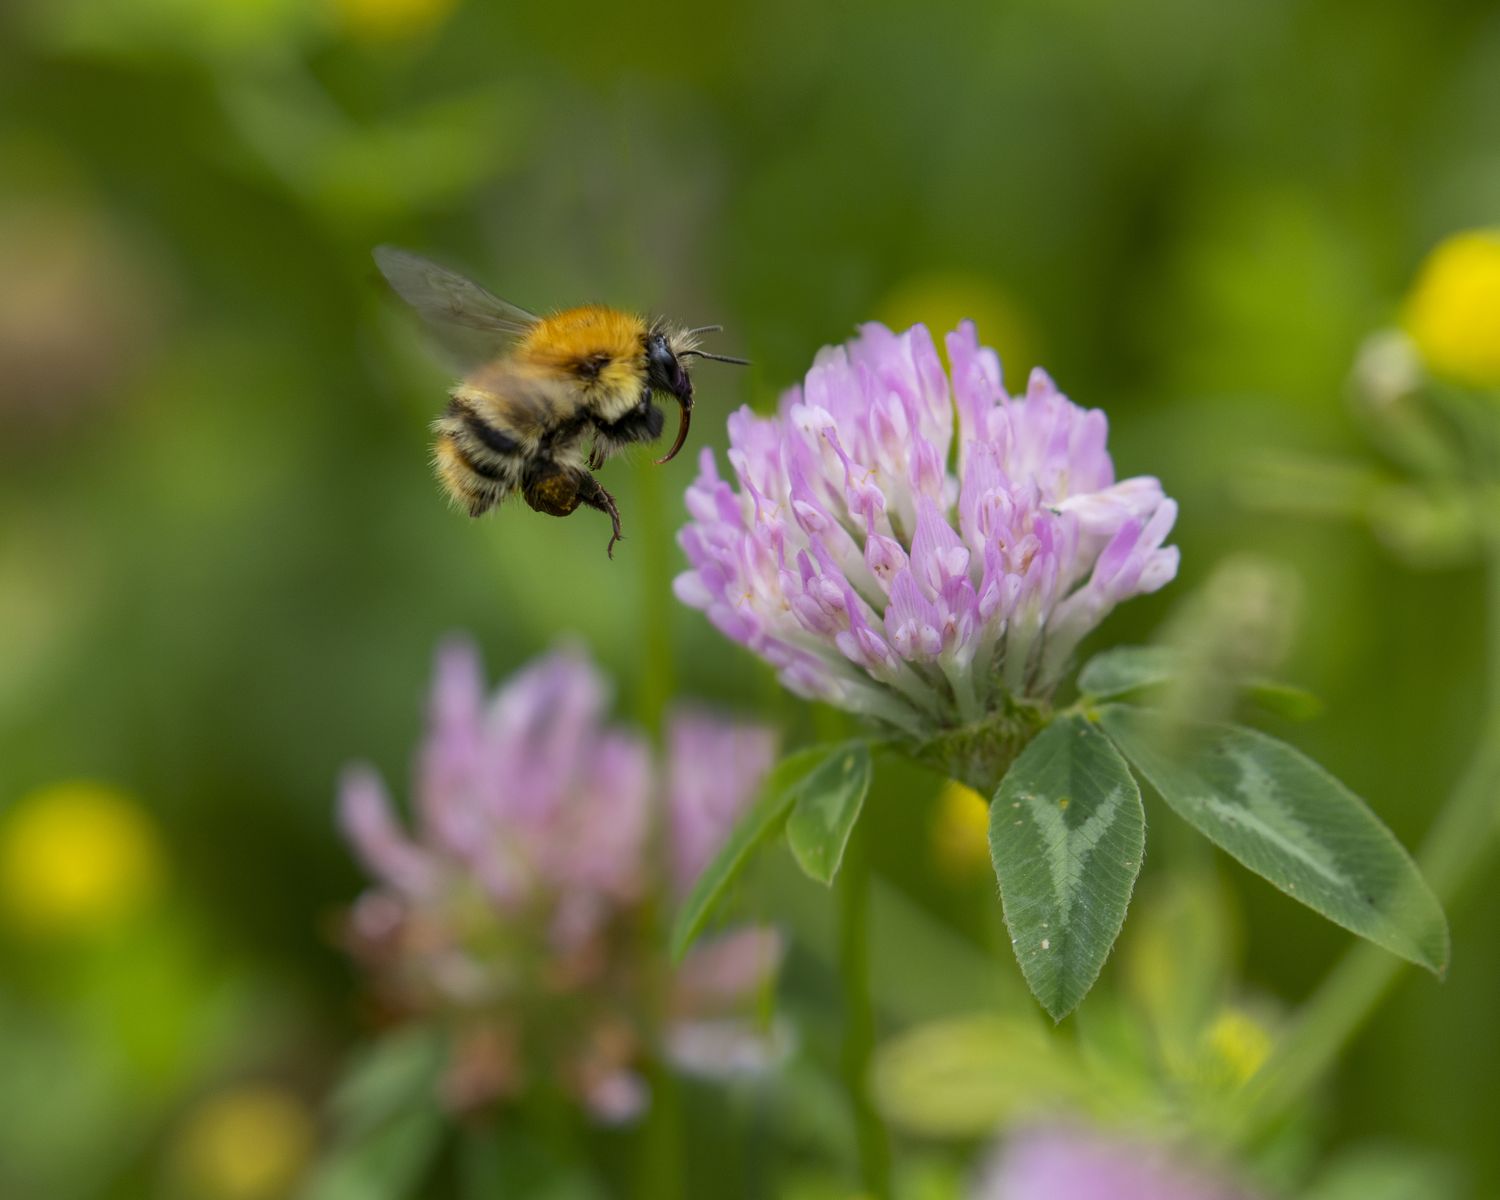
224,563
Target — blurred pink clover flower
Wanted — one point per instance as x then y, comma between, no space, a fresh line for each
541,832
1061,1164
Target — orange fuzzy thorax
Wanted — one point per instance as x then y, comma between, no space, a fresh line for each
577,333
603,348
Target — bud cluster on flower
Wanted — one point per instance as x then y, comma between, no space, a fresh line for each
917,546
517,911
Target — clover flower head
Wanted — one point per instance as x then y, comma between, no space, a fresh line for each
915,544
521,895
1063,1164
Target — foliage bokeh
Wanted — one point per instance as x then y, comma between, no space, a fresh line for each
223,563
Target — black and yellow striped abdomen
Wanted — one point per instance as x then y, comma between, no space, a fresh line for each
497,423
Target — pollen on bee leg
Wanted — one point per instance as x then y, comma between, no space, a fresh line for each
552,490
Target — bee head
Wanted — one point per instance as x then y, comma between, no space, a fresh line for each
665,373
664,370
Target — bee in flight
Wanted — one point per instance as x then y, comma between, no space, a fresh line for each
538,390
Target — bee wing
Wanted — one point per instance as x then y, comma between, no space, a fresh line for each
473,324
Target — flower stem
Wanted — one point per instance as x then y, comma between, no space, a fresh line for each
654,548
859,1014
660,1147
1461,840
661,1143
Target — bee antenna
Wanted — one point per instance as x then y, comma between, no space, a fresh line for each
724,358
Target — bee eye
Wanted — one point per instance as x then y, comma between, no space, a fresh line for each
662,363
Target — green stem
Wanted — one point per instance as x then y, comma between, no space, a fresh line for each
660,1147
660,1168
1459,844
859,1014
661,1143
654,547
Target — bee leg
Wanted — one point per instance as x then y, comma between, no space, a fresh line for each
552,489
557,490
591,493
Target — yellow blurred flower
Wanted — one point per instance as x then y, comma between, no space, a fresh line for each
941,301
1453,310
1237,1045
961,830
391,20
247,1143
77,857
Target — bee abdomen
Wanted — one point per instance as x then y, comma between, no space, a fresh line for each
477,463
497,441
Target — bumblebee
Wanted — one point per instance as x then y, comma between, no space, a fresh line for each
539,390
